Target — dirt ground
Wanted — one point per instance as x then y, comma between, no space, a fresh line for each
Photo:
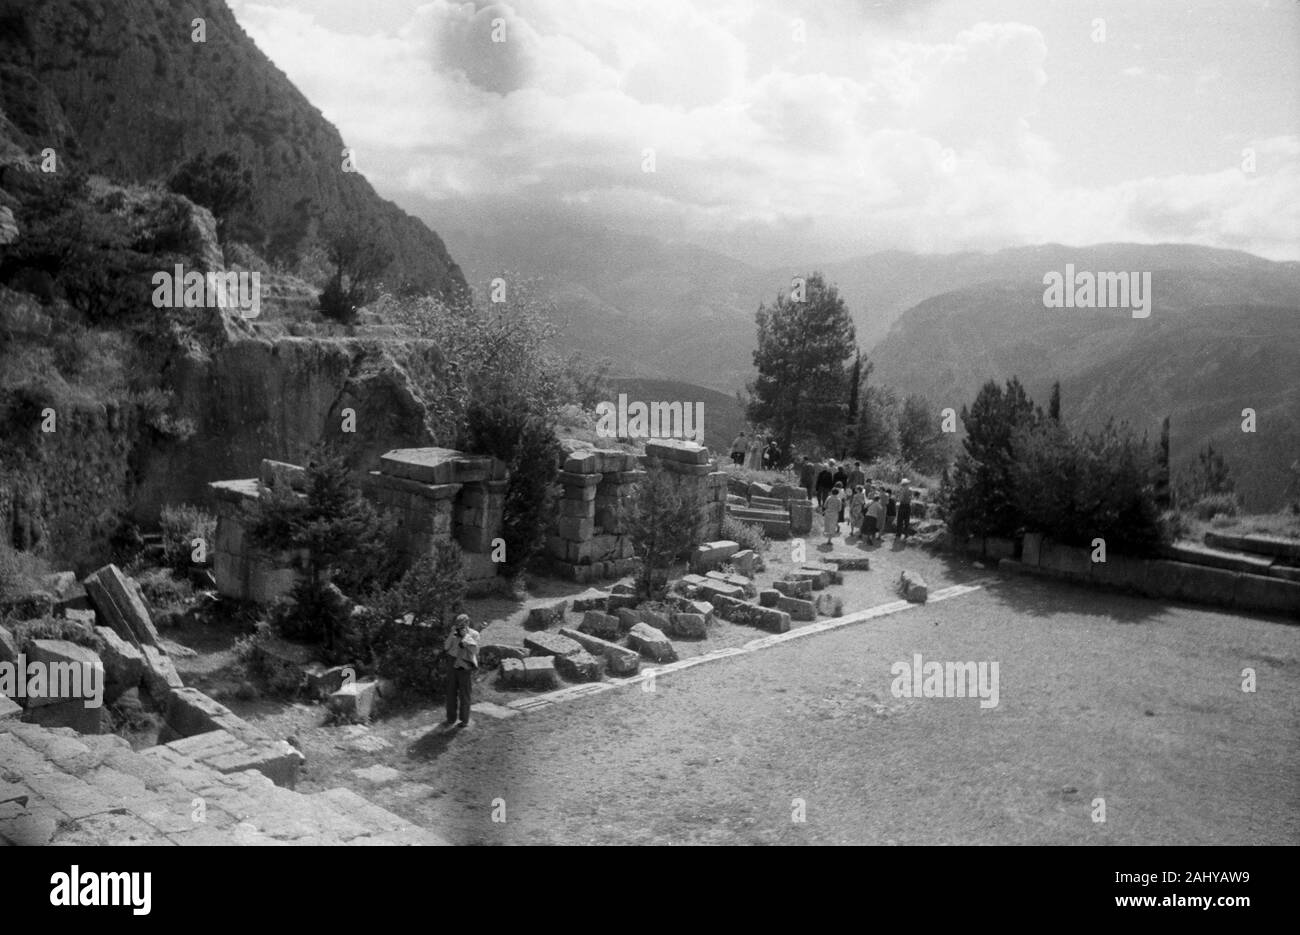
1102,696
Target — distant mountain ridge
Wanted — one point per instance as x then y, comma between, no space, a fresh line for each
120,86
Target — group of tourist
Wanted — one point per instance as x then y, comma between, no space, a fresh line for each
871,510
755,452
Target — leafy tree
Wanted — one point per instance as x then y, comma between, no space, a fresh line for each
1209,476
981,500
663,522
803,348
920,438
878,429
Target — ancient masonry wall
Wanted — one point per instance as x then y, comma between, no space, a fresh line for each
586,542
434,494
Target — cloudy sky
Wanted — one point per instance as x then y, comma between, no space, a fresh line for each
819,130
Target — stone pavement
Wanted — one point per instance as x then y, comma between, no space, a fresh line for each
61,787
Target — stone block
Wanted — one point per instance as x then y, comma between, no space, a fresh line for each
913,587
355,701
530,672
8,646
771,619
680,452
651,643
571,479
590,600
1260,593
578,509
9,710
619,660
541,618
689,470
123,664
491,655
769,596
73,714
715,589
829,605
745,562
78,671
688,626
801,589
746,584
582,462
580,493
160,675
580,666
627,618
852,563
797,608
598,624
1064,559
550,644
118,601
832,572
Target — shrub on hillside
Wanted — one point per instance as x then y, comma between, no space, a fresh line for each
1212,505
748,535
181,525
20,572
54,628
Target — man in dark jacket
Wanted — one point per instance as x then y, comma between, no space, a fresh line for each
807,475
825,481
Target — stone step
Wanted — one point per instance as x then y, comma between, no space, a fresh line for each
1195,554
1288,550
65,788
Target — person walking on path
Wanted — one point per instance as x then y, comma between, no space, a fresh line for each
875,520
841,479
738,449
831,514
461,646
856,477
808,475
825,481
771,455
754,460
904,512
889,511
857,508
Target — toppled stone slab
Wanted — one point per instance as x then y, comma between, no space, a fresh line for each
674,450
851,563
530,672
491,655
745,584
9,709
590,600
712,554
621,600
123,664
801,588
542,618
619,660
226,753
832,572
160,675
818,579
119,603
8,646
604,626
716,589
571,660
913,587
651,643
769,596
686,605
797,608
73,714
688,626
771,619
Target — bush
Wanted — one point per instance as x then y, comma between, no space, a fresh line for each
278,681
662,521
404,627
1076,488
53,628
747,534
181,525
1212,505
165,594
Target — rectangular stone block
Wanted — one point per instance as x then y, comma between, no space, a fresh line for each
619,660
797,608
712,554
572,479
801,589
72,673
673,450
651,643
771,619
1067,560
120,605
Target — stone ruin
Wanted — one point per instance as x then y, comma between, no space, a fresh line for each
438,494
435,494
586,541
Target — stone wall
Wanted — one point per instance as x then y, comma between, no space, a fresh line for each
586,541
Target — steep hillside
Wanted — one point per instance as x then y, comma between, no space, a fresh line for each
1221,337
120,88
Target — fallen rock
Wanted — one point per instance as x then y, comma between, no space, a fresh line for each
831,573
745,562
570,659
542,618
712,554
530,672
355,700
651,643
797,609
8,646
913,587
160,675
830,605
604,626
800,589
123,664
627,618
768,597
770,619
852,563
746,585
619,660
118,601
83,674
688,626
491,655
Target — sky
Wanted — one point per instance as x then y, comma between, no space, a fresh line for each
777,132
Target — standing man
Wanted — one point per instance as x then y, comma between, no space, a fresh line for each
904,511
856,477
825,481
738,448
807,475
461,647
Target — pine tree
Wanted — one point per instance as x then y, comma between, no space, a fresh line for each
662,522
1054,404
801,359
982,500
1162,467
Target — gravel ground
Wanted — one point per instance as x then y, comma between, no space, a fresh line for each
1101,696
